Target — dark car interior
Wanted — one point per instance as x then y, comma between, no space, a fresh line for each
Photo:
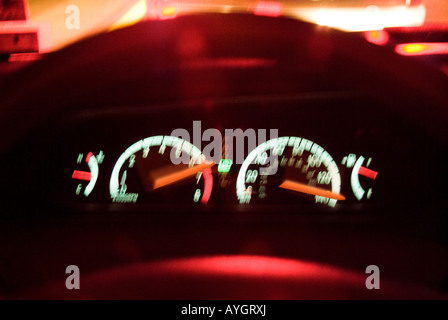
105,95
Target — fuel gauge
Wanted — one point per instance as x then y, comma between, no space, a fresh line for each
362,177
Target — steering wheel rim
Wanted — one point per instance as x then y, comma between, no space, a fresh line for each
229,277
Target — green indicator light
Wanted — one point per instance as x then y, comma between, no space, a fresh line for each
224,165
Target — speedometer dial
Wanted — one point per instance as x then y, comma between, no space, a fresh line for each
162,169
286,170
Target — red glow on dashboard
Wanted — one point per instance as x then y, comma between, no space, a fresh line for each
444,69
268,8
378,37
229,63
423,48
253,266
218,277
191,44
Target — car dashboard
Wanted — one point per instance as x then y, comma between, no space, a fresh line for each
246,152
370,161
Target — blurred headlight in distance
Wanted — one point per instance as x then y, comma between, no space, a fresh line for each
364,19
378,37
422,48
134,15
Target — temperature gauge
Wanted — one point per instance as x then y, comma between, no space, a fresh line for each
86,179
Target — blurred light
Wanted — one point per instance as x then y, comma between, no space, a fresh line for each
414,48
226,9
364,19
253,266
134,15
413,2
424,48
168,12
224,165
45,37
24,57
208,185
378,37
268,8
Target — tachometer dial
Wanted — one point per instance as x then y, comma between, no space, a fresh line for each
162,169
287,169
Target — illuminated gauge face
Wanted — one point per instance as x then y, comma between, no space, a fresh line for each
362,179
289,170
161,169
86,174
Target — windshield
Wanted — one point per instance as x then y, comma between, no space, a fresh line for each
63,21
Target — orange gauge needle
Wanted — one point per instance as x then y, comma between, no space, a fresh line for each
304,188
164,176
